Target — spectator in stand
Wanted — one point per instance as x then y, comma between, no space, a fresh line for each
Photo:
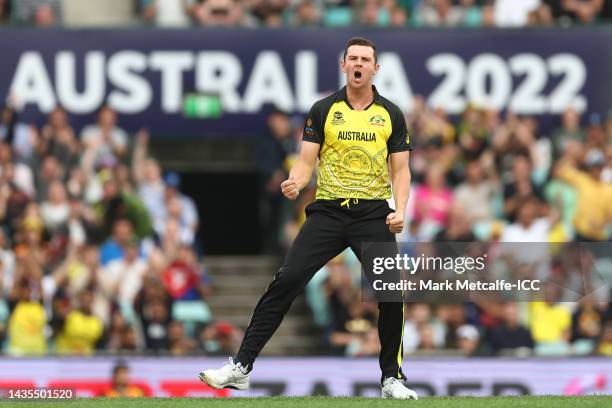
7,265
123,277
273,150
373,14
474,134
268,12
220,13
80,271
351,317
120,384
439,13
147,176
57,139
22,138
128,340
82,223
154,305
220,338
422,330
593,213
42,13
588,322
306,13
82,329
179,343
452,316
458,227
518,136
514,13
521,187
476,193
569,132
567,12
468,340
398,17
15,176
26,325
104,141
550,322
116,205
510,335
167,13
112,249
155,319
121,173
427,340
530,226
56,210
181,207
12,203
185,279
604,348
30,245
595,138
51,171
432,203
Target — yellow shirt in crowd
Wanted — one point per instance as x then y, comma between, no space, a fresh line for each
548,322
80,334
594,211
26,329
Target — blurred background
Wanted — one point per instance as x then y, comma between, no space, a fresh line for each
142,147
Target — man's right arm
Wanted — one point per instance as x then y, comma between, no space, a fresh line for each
300,174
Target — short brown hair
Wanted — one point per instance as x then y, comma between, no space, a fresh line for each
360,41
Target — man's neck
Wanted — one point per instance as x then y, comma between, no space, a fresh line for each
360,98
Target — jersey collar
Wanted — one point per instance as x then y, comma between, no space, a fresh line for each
341,96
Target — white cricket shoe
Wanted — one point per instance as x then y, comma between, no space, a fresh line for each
393,388
231,375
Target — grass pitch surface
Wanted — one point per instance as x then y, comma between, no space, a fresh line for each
322,402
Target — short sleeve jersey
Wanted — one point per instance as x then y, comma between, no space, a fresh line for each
355,146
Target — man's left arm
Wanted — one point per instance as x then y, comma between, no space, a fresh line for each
400,183
399,148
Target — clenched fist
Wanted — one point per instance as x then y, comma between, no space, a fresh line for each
395,221
290,189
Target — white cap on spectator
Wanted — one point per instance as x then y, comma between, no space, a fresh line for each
468,331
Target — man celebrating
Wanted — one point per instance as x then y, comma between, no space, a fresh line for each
354,132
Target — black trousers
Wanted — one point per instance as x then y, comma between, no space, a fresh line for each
329,229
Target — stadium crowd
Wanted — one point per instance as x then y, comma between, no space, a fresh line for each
313,13
98,248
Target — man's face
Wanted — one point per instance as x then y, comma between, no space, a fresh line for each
122,377
359,66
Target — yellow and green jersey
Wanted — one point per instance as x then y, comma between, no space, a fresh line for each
355,146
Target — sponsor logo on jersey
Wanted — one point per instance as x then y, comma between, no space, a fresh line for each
338,118
377,120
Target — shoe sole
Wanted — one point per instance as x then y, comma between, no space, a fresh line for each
231,386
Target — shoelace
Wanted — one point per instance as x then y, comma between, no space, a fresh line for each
234,366
232,363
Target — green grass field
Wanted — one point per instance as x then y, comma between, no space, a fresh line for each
324,402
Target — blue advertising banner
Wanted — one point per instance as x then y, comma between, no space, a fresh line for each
146,75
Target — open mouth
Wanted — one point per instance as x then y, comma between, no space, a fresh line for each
357,75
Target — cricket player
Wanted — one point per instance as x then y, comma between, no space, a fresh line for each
362,144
